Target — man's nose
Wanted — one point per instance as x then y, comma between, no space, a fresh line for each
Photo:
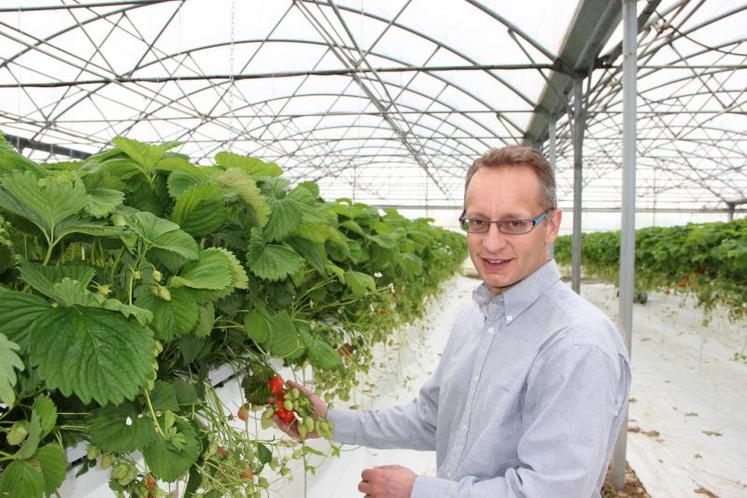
493,240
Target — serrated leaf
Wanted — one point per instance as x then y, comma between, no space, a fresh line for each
353,227
22,479
51,458
43,278
200,210
120,429
11,160
163,234
183,178
239,182
359,283
47,411
314,232
311,252
212,270
9,362
163,397
92,353
252,166
45,202
170,318
186,394
166,461
145,155
271,261
256,326
285,217
284,341
411,264
103,201
18,311
206,321
321,355
239,278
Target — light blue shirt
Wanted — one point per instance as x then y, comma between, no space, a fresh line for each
527,399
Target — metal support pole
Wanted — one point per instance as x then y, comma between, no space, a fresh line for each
578,142
627,231
731,206
552,157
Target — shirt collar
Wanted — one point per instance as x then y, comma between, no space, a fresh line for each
519,297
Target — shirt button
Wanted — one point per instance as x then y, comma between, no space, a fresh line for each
477,377
509,318
449,475
465,427
490,330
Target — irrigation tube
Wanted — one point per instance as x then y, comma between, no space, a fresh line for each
627,232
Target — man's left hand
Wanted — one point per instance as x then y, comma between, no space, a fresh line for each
387,481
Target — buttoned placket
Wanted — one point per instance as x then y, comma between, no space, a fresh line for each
494,324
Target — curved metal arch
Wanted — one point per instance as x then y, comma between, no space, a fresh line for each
322,44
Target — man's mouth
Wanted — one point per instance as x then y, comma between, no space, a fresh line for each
495,262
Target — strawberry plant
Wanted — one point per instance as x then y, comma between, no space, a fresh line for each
705,260
125,278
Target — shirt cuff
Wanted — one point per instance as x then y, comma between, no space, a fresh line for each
344,425
429,486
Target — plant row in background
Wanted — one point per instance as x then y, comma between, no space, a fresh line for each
125,278
706,260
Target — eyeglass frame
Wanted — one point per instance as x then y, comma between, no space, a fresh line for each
535,221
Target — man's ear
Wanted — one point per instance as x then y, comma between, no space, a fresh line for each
553,225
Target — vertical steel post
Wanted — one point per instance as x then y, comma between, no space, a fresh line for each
552,157
627,231
578,142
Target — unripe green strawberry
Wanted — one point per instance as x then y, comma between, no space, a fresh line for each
308,422
157,276
302,431
288,405
92,452
18,433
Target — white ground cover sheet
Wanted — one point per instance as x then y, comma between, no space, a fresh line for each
688,415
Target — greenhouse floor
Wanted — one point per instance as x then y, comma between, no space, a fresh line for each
687,426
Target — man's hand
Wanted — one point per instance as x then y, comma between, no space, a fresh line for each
387,481
319,406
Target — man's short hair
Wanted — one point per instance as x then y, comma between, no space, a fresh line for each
518,155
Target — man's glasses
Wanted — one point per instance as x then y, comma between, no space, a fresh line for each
478,224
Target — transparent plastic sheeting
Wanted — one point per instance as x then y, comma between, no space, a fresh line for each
386,102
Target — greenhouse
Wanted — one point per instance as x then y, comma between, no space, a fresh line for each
207,207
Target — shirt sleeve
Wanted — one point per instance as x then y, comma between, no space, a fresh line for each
571,415
409,426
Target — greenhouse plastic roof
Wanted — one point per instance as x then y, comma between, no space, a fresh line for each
388,102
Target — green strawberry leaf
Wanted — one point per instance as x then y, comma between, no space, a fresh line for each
212,270
311,252
200,210
285,217
32,440
103,201
51,458
120,429
11,160
250,165
256,326
206,321
47,411
163,397
237,181
182,179
163,234
19,311
23,479
9,362
170,318
359,283
284,341
45,202
144,155
168,461
93,353
272,261
321,355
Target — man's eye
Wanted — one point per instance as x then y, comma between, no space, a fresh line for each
478,222
516,223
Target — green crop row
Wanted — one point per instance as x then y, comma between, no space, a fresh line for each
127,277
706,260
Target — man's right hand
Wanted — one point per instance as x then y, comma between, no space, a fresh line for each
317,403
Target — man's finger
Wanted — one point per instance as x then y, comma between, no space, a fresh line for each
300,387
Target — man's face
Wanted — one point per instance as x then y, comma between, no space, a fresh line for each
508,193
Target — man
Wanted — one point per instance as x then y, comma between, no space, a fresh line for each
532,386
